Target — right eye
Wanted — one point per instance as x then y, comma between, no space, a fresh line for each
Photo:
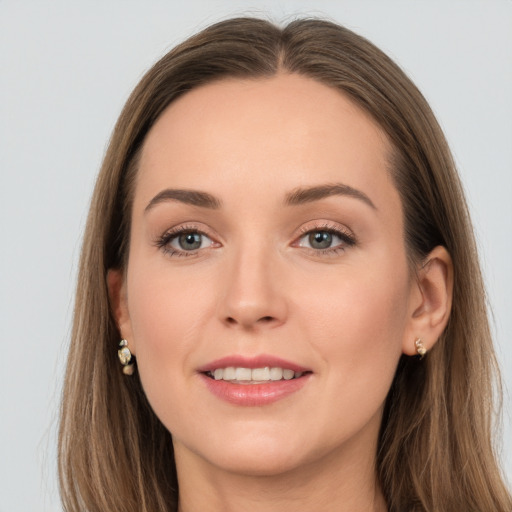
190,241
184,241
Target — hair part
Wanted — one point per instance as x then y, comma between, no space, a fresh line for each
435,445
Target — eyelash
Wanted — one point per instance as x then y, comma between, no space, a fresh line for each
348,239
163,242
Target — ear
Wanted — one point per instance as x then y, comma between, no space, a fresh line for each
119,304
430,301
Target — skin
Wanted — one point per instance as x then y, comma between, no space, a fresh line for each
258,286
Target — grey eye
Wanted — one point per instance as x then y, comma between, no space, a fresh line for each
325,239
320,239
190,241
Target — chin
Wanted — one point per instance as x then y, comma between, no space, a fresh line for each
260,465
255,455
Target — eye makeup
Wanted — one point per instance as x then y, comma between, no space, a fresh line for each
319,239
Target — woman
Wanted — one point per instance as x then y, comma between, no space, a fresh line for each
279,252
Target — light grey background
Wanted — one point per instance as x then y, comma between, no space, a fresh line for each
66,69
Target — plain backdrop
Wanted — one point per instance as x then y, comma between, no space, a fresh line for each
66,69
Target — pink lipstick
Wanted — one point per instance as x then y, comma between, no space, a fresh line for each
253,381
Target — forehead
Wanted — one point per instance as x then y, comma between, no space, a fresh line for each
273,133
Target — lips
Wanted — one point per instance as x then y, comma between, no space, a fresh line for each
253,381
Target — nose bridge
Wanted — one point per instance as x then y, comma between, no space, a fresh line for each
252,294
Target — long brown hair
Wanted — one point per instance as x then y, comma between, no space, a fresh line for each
435,448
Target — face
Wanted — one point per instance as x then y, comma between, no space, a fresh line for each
267,291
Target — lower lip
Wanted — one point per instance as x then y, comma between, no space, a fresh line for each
254,394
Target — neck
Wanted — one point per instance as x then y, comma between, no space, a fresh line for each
341,482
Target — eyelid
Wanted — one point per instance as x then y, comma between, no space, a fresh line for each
345,234
163,241
347,237
176,238
325,225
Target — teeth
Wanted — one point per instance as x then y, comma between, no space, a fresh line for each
229,373
276,373
288,374
261,373
254,375
243,374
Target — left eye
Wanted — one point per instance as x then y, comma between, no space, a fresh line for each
190,241
322,239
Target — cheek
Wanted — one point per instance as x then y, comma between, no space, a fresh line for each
357,324
360,307
166,315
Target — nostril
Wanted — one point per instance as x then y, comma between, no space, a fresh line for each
263,320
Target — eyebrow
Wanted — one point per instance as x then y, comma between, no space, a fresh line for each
296,197
192,197
307,195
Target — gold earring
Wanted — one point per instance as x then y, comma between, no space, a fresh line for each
420,348
125,356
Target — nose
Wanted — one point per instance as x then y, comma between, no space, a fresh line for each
252,294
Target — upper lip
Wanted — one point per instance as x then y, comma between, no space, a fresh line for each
260,361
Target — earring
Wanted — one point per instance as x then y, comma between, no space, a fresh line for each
420,348
125,356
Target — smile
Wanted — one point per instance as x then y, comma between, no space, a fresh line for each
243,375
254,381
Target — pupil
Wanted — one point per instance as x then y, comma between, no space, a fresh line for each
320,239
190,241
